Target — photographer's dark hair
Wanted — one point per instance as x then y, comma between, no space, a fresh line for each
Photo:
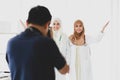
39,15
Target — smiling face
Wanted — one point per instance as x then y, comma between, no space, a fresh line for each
56,25
78,27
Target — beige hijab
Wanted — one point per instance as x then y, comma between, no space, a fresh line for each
78,36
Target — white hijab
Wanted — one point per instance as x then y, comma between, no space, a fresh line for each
57,34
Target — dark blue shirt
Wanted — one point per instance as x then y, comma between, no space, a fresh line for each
31,56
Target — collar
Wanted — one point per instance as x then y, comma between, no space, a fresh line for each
32,29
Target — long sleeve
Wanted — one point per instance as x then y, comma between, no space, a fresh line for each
90,40
64,47
68,52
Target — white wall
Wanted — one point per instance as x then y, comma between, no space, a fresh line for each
94,14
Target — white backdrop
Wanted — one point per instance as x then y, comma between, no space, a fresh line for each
94,13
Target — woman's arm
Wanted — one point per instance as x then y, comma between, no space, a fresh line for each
22,24
97,38
104,26
68,51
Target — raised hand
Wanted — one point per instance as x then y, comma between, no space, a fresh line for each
22,24
104,26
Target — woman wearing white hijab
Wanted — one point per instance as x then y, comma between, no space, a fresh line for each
80,62
61,40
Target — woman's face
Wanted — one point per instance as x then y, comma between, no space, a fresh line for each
56,25
78,27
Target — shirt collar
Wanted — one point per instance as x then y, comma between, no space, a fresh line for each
32,29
